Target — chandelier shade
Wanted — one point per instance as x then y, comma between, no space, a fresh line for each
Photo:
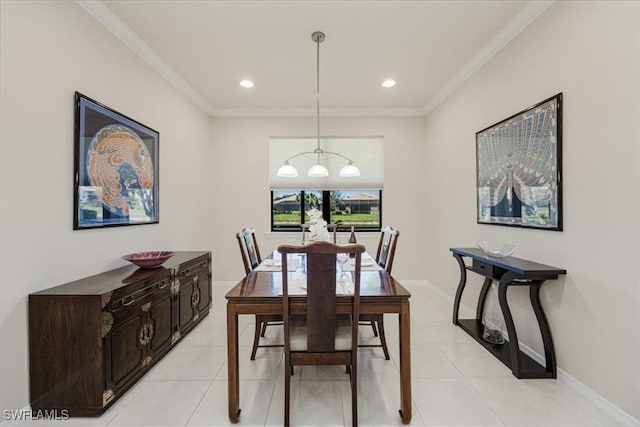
287,171
349,171
318,171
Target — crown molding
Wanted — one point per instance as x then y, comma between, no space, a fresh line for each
105,16
527,15
311,112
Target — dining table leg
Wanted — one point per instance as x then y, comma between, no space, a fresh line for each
233,375
405,363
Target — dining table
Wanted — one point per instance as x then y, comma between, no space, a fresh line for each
260,293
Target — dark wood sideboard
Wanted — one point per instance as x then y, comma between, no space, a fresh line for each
90,340
509,271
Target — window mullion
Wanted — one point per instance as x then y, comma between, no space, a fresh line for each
302,208
326,205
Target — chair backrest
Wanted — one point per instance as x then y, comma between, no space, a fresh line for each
321,293
387,248
333,228
249,249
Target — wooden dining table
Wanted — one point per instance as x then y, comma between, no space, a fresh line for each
260,292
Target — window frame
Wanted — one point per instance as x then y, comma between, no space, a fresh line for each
326,213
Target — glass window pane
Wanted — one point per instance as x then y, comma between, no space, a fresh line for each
312,199
286,208
355,208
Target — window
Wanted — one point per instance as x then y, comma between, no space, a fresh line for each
348,202
360,209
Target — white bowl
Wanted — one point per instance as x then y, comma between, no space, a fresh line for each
506,250
363,263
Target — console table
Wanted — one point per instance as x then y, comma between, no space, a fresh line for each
508,271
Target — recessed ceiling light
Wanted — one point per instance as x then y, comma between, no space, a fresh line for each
246,83
388,83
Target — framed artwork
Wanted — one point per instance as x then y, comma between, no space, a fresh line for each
115,168
518,164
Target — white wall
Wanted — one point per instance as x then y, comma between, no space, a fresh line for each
241,188
209,191
48,51
590,51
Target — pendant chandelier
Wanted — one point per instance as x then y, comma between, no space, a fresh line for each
318,170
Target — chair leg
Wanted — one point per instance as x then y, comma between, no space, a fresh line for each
373,326
354,396
383,340
256,338
287,393
264,328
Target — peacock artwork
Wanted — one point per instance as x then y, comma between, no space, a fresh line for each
518,168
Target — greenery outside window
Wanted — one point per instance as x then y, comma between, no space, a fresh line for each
361,209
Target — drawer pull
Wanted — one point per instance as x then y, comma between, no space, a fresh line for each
146,334
129,302
195,298
163,284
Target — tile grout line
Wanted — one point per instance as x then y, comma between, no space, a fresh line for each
195,408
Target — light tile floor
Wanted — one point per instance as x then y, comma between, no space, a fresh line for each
455,382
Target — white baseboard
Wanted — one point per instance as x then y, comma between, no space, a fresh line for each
620,416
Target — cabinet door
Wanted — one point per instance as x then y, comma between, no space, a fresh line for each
204,289
193,295
126,354
160,315
187,295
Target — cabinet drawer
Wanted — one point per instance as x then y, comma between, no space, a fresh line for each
191,268
140,293
487,270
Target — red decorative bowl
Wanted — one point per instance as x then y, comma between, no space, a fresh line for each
148,259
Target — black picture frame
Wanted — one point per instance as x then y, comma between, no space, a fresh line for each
519,169
116,162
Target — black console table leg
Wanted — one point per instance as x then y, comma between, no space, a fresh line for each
461,284
514,347
547,340
483,296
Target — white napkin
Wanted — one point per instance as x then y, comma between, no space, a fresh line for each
276,265
367,264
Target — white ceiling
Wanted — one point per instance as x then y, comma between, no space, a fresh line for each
206,47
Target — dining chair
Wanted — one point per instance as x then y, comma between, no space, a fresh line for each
384,258
251,260
333,228
322,337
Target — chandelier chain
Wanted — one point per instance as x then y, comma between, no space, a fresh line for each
318,37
